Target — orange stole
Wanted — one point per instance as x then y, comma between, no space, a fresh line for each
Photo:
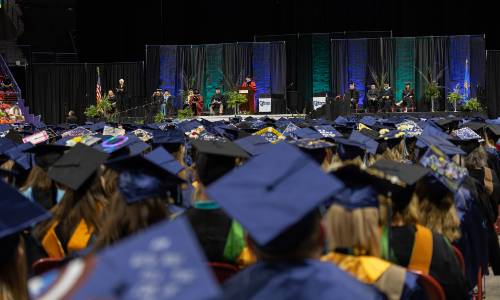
78,241
421,254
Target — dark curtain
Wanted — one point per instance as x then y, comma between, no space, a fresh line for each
278,67
375,65
56,89
152,71
132,73
431,57
477,66
304,72
492,86
237,63
339,66
388,54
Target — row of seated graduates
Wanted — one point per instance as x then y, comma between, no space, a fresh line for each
332,193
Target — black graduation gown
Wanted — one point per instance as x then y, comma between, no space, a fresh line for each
444,264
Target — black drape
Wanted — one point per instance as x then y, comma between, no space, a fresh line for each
58,88
340,73
304,71
237,63
431,55
190,67
278,68
152,72
477,65
492,83
374,63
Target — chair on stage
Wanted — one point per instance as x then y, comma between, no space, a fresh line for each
432,288
223,271
46,264
460,258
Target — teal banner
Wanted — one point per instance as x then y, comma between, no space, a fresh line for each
321,70
405,64
214,76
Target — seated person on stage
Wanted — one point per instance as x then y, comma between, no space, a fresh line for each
284,227
353,95
112,98
372,96
217,103
72,118
221,238
387,96
167,106
196,103
408,97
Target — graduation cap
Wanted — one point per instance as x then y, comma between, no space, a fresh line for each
273,191
327,131
6,144
77,165
163,261
14,136
364,142
368,121
307,133
253,144
20,155
47,154
189,125
314,148
219,148
426,141
476,126
410,128
494,130
449,123
447,172
290,130
141,178
409,174
165,160
271,135
17,212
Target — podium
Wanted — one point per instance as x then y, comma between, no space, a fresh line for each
249,106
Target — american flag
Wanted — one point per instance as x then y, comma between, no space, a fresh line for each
98,87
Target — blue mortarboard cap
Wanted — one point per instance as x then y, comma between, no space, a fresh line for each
97,126
341,121
307,133
116,143
4,127
368,121
20,156
474,125
165,160
188,125
254,144
364,142
357,197
312,144
17,212
447,172
222,148
410,128
290,130
277,188
228,131
141,178
493,121
171,136
162,262
327,131
425,141
6,144
465,133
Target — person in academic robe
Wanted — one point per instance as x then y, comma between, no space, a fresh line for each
195,102
217,102
121,93
352,95
408,96
249,84
372,97
167,106
387,98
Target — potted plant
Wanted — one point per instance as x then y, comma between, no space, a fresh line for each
472,105
102,110
235,99
432,89
455,97
185,113
159,118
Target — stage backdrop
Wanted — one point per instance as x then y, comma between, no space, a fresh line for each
453,61
205,67
58,88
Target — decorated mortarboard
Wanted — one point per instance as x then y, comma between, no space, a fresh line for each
77,165
327,131
307,133
426,141
373,134
78,131
446,171
163,261
222,148
207,136
17,212
312,144
278,188
290,130
165,160
115,143
20,155
466,133
364,142
88,140
410,128
47,154
253,144
141,178
195,132
187,126
113,131
271,135
227,131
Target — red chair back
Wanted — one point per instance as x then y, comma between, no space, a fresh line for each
460,258
432,288
46,264
223,271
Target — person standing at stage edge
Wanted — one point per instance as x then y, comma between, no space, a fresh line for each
121,94
250,105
